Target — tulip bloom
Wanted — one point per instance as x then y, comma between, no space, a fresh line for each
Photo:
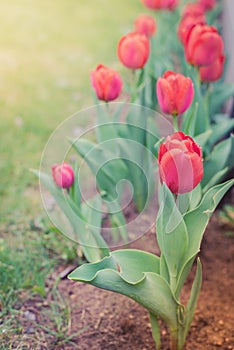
193,9
160,4
212,72
175,93
180,163
63,175
106,82
145,24
133,50
207,4
203,46
186,24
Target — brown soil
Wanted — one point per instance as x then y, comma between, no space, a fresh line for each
110,321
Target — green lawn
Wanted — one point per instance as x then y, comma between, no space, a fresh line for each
47,51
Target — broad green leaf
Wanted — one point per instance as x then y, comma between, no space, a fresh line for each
172,234
82,231
220,130
220,94
150,290
184,274
155,330
105,129
76,195
118,221
203,138
197,219
189,200
106,167
164,269
191,306
189,120
132,263
138,160
215,179
92,212
221,157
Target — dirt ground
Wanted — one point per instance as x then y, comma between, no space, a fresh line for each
110,321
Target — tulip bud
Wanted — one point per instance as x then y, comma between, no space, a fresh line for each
160,4
207,4
203,46
133,50
212,72
145,24
175,93
180,163
192,9
186,24
63,175
106,83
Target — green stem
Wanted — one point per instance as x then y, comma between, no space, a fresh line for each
133,85
175,123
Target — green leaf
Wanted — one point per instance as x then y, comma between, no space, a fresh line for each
197,219
146,287
220,130
203,138
215,179
106,166
138,160
118,221
189,200
76,195
133,262
221,93
92,212
155,330
105,129
81,230
221,157
183,275
189,120
191,306
172,234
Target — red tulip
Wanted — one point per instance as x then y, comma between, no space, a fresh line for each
180,163
212,72
192,9
133,50
160,4
145,24
207,4
106,82
175,93
203,46
185,25
63,175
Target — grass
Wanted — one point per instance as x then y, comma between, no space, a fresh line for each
48,49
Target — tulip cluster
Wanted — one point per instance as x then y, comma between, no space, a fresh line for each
161,4
190,167
203,44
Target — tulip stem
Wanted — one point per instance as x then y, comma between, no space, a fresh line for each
175,123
